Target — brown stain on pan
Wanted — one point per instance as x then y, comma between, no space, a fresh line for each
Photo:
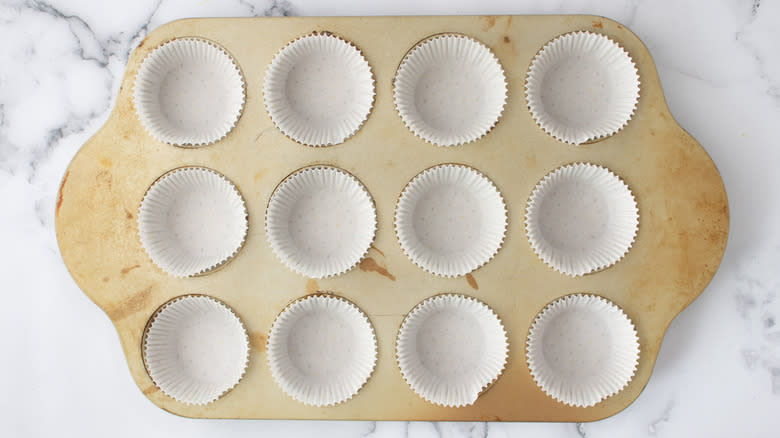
104,177
59,193
312,286
598,25
150,390
490,21
472,281
130,305
378,250
124,271
257,341
370,265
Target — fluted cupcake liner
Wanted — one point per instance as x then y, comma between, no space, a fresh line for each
450,90
581,218
321,350
319,90
450,220
189,92
582,86
450,348
582,349
195,349
191,221
320,221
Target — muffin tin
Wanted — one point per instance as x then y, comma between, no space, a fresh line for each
678,240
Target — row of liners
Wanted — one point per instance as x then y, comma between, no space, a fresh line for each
450,220
449,90
450,348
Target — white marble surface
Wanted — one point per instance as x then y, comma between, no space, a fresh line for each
718,372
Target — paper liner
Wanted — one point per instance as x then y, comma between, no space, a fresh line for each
581,218
450,220
450,90
189,92
582,86
582,349
450,348
321,350
320,221
319,90
191,221
195,349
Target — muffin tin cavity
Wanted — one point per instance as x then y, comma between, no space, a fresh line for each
582,349
450,348
195,349
320,221
581,218
582,86
189,92
450,220
321,350
319,90
191,221
450,90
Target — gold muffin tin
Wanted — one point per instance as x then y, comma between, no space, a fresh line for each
682,205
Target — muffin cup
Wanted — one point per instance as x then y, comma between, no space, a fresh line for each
195,349
191,221
321,350
450,220
582,86
189,92
450,90
582,349
319,90
450,348
581,218
320,221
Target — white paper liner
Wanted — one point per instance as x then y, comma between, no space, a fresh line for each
191,221
195,349
581,218
450,220
450,348
321,350
189,92
582,86
320,221
319,90
582,349
450,90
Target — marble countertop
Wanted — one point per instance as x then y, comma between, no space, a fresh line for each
718,371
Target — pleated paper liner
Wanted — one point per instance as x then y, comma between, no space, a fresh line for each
189,92
450,220
191,221
321,350
581,218
319,89
450,89
582,86
320,221
582,349
195,349
450,348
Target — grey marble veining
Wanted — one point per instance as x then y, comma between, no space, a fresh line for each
718,372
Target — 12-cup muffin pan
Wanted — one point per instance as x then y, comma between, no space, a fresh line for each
482,218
